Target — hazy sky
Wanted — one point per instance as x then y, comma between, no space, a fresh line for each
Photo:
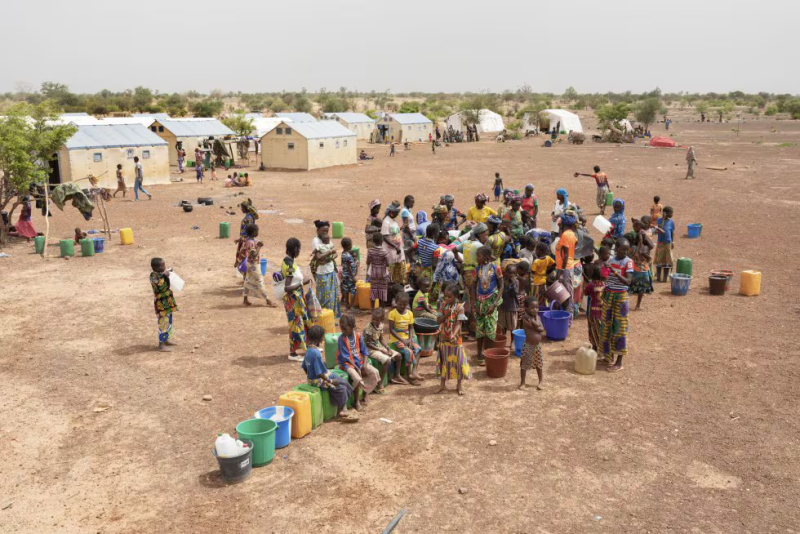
407,45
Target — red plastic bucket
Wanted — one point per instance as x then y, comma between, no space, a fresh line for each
726,273
496,362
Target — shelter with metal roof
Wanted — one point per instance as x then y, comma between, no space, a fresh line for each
306,146
154,116
297,117
97,149
402,127
358,123
190,133
78,119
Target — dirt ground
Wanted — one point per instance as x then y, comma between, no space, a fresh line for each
698,434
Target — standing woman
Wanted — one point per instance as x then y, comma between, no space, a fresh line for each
393,245
293,300
690,163
250,216
120,182
562,203
497,239
614,322
327,276
24,227
374,222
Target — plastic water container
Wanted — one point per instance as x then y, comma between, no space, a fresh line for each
694,230
356,252
519,341
557,293
227,447
87,247
38,243
99,244
331,349
716,284
453,234
67,247
224,230
282,415
556,324
126,236
327,321
585,360
750,283
239,468
362,295
264,266
316,402
602,224
262,433
728,274
685,266
176,283
679,283
609,199
301,404
337,230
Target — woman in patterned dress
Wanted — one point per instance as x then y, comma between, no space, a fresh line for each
294,301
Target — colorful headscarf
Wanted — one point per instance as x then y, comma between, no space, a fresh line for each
448,198
563,193
618,219
440,209
480,197
513,197
374,203
394,207
479,229
494,219
248,208
567,220
422,217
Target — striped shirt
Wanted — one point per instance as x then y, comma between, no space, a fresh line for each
622,267
425,249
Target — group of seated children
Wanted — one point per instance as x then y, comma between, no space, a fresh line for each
238,180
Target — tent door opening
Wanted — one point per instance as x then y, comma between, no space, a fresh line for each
55,171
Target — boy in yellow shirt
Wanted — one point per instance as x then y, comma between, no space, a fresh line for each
480,212
541,267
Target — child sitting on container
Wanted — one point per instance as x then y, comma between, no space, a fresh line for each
79,234
380,351
422,306
451,362
542,266
164,302
402,340
666,244
352,358
532,349
488,298
319,376
349,273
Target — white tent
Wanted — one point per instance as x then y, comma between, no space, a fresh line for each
490,122
625,125
569,121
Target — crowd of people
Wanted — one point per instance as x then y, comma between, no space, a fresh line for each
474,275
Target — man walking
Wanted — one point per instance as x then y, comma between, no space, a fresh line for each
139,178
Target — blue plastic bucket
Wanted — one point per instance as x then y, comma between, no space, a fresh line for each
99,244
679,283
519,340
263,266
282,415
556,324
694,231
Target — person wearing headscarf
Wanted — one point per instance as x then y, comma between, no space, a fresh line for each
438,220
250,217
690,163
530,205
512,218
566,262
24,227
323,259
562,203
422,223
617,219
497,239
451,220
374,222
480,212
506,203
393,244
469,252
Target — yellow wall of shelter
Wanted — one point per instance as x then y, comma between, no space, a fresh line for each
102,162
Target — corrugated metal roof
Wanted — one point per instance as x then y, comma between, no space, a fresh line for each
113,135
351,118
297,117
76,114
410,118
319,130
156,116
144,121
78,119
197,127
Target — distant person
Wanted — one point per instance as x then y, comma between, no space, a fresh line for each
181,159
498,186
603,187
164,302
120,182
139,180
690,163
433,147
391,150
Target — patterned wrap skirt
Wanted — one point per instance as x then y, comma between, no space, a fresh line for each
328,293
297,315
642,283
531,357
486,322
451,362
614,324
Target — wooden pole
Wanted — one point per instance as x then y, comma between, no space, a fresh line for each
46,217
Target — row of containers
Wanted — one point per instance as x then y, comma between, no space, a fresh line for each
719,280
89,246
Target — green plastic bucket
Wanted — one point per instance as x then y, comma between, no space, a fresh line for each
87,247
356,253
331,348
67,247
39,242
685,266
317,412
328,408
609,199
337,230
379,367
224,230
341,374
262,433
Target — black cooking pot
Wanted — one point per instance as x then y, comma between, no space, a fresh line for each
187,208
425,326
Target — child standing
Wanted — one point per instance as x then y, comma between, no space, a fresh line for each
488,298
594,292
253,279
377,271
666,244
656,210
498,186
542,266
352,358
524,279
401,328
213,170
349,274
319,376
164,302
380,351
527,250
532,349
509,309
451,362
642,282
614,323
617,219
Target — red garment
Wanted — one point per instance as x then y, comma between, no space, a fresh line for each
24,227
528,204
601,178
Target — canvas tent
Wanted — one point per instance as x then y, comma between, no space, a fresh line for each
358,123
308,145
97,149
490,122
191,132
569,121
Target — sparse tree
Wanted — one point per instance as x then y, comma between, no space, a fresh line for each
240,124
645,111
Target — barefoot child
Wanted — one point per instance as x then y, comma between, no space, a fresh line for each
614,323
422,306
532,349
380,351
498,186
253,279
642,283
352,358
451,362
319,376
666,244
594,292
79,234
401,328
377,271
656,211
349,273
524,279
542,266
509,309
164,302
488,299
